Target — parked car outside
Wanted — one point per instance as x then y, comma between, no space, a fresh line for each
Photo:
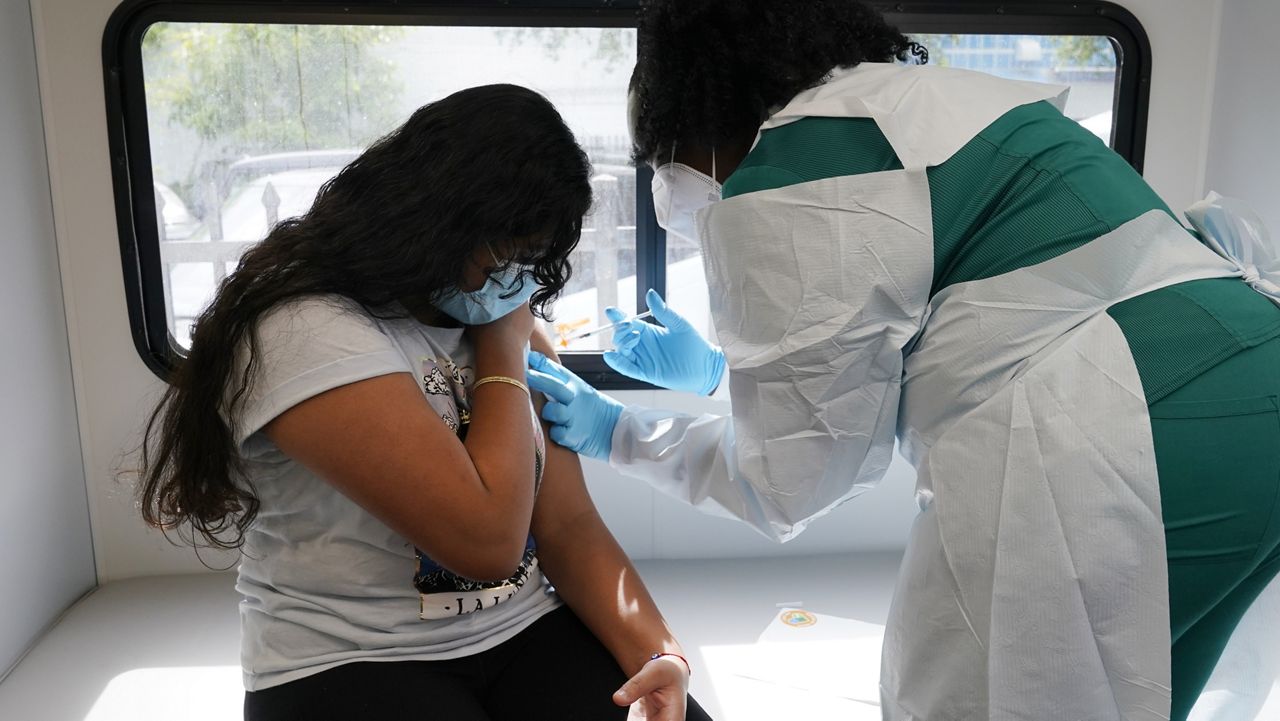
256,202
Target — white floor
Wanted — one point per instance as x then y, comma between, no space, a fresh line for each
167,648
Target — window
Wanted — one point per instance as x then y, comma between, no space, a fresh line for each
232,119
247,121
1098,48
226,119
1087,63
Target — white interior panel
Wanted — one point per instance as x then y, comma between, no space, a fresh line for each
1184,40
116,389
1244,149
44,534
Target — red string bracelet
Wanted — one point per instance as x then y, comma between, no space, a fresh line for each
657,656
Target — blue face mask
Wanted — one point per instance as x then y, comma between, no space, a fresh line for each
499,295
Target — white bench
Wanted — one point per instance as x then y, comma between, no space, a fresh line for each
167,648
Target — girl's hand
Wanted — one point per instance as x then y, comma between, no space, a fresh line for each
660,689
510,332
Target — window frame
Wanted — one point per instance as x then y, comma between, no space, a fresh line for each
1046,17
130,148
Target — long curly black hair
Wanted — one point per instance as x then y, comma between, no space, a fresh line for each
488,165
711,71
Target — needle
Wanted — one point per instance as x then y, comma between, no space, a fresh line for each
611,326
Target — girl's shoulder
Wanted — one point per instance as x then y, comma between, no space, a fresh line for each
338,322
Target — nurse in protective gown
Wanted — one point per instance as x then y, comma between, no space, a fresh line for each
1088,389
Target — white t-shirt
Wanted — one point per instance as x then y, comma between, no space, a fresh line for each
325,582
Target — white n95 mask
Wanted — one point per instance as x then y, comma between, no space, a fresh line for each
679,192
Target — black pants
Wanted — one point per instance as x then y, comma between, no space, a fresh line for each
555,670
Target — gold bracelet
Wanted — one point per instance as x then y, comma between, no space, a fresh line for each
500,379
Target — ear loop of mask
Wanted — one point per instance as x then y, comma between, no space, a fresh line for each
715,179
670,193
488,277
498,263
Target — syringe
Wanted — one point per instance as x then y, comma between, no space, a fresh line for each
611,326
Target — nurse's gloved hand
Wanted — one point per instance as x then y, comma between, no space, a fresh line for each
675,357
582,418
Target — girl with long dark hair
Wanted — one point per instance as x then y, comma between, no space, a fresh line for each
353,417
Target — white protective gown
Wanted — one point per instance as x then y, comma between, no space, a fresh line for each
1034,585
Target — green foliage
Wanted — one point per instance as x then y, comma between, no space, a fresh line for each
1068,51
1083,51
614,47
252,88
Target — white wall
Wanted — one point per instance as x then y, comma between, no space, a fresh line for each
1244,138
45,553
1184,46
114,388
112,385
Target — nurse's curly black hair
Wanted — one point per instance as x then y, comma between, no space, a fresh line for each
710,71
490,166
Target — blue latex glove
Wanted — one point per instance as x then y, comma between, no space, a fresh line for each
582,417
675,357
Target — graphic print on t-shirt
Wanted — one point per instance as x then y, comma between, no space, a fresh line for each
443,593
445,385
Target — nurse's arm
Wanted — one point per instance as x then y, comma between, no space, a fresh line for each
695,458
